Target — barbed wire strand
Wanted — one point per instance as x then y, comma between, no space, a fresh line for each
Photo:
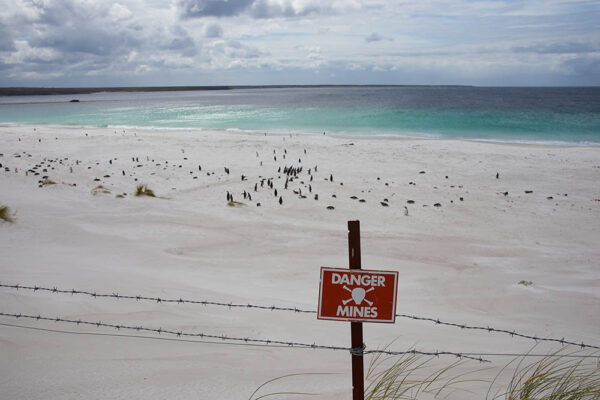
437,321
120,335
246,340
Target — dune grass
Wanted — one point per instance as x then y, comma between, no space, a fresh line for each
46,182
410,377
554,377
100,189
256,396
143,190
6,215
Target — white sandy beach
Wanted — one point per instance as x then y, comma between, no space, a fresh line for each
459,262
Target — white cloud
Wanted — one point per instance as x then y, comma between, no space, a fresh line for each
119,12
452,40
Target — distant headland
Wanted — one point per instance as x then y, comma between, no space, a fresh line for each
37,91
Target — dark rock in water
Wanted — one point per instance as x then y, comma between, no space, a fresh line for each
330,207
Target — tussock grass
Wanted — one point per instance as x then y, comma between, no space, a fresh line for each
283,393
46,181
143,190
6,215
554,377
525,283
100,189
410,376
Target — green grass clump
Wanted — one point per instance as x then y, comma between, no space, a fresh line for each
283,392
100,189
5,214
142,190
555,377
47,181
235,204
408,377
525,283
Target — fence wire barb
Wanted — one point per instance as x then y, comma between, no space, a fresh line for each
230,305
248,340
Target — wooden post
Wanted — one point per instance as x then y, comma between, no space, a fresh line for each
356,329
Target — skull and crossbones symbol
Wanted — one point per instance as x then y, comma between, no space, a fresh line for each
358,295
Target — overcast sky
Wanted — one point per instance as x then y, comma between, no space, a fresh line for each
250,42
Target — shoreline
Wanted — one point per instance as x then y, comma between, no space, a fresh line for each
341,136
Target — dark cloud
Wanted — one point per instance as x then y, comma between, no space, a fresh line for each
213,8
260,9
558,48
586,66
213,31
267,9
86,39
236,49
373,37
6,40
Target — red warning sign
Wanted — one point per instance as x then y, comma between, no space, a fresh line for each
357,295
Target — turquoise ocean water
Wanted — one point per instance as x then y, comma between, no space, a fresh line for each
499,114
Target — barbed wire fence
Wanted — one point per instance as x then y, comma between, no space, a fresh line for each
512,333
180,335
